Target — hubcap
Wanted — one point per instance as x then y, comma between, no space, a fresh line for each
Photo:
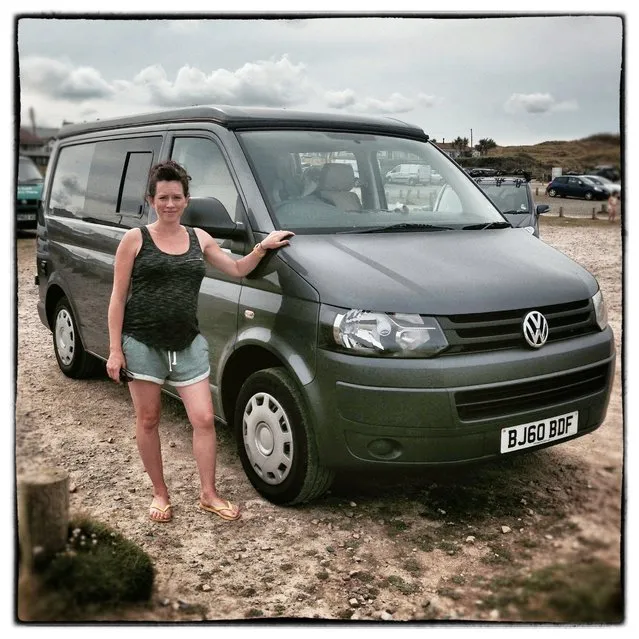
65,337
268,439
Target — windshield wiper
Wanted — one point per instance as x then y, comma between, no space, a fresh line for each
490,225
402,226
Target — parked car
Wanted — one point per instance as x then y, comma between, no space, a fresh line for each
381,338
28,194
576,186
410,174
609,185
513,196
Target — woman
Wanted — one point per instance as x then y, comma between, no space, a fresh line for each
155,337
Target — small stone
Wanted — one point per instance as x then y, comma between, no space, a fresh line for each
548,536
117,498
506,529
352,504
494,614
72,488
470,539
315,522
110,440
356,535
353,602
172,444
165,601
385,616
206,587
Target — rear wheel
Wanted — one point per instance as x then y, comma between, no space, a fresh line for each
588,195
552,192
275,439
73,360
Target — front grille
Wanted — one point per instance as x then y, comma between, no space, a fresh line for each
499,401
480,332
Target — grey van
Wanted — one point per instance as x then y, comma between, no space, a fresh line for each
390,333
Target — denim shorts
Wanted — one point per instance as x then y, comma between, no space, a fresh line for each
178,368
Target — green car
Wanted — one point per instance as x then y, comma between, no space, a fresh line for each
29,193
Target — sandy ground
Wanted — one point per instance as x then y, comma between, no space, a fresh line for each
438,546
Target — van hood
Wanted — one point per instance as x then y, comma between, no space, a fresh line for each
438,273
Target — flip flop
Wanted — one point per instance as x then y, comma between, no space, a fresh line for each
168,508
218,511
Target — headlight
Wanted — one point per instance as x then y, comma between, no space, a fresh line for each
601,312
382,334
530,229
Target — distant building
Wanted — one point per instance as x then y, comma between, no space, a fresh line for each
37,144
450,150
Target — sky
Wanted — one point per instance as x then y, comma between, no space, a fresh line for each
517,80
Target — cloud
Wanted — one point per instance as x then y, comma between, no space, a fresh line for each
537,103
340,99
428,100
60,80
395,103
262,83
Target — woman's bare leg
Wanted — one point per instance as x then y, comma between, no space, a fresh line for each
199,408
147,403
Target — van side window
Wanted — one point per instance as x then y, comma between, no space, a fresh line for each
118,180
210,176
69,186
136,175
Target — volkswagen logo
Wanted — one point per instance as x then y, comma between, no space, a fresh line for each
535,329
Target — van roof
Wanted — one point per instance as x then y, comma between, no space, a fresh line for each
238,118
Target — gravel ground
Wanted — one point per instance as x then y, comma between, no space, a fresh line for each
438,545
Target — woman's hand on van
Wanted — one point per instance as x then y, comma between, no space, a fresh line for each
115,362
276,239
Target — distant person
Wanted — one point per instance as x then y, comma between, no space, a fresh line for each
612,207
154,336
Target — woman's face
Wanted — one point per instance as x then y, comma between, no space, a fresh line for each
169,201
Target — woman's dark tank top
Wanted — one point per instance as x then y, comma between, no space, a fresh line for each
162,309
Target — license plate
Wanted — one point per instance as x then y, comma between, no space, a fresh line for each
26,217
540,432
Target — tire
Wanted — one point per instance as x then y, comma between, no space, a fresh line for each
275,440
412,182
73,360
552,193
588,195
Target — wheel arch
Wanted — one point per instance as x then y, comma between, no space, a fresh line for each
249,358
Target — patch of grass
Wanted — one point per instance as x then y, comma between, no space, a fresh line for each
99,570
364,577
396,526
579,592
254,612
575,222
413,566
449,593
400,584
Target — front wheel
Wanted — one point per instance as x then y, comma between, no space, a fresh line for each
275,440
588,195
552,193
73,360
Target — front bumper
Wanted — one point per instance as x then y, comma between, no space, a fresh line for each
399,412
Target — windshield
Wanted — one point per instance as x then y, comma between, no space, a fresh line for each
508,197
328,182
28,171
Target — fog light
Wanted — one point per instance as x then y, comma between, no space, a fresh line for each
385,448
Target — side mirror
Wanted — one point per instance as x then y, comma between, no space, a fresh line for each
209,214
542,208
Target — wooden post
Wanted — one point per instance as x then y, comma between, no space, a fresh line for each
594,213
43,513
561,211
